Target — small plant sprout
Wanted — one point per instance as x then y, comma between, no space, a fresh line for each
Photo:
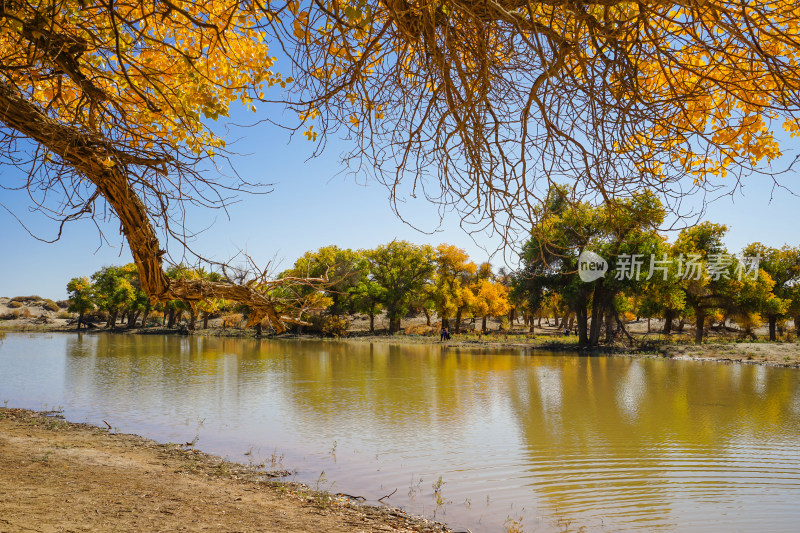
275,460
437,492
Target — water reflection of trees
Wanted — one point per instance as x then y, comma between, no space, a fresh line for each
631,434
377,386
556,401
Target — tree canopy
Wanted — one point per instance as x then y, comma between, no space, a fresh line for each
486,105
107,105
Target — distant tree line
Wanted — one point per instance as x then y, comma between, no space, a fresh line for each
693,280
396,278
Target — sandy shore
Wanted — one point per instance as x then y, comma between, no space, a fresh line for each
60,476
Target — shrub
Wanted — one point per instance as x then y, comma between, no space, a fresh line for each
330,325
96,316
15,305
231,321
63,304
50,305
26,299
422,329
64,314
26,313
10,316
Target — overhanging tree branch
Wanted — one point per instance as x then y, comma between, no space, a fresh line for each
108,168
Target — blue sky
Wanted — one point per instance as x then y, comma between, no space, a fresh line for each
313,204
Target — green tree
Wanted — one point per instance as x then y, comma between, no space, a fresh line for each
752,299
139,303
114,292
783,267
368,297
401,270
343,268
81,297
662,295
624,234
703,291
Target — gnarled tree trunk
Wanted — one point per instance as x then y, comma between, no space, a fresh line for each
107,166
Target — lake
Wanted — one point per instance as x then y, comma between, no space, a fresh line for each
481,439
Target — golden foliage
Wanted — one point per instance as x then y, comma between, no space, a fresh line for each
498,100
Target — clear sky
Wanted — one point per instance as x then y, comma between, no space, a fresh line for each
313,205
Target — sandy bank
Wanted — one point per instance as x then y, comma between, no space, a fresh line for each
60,476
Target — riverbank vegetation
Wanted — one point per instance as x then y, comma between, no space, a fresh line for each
691,286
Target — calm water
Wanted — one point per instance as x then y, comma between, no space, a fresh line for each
556,442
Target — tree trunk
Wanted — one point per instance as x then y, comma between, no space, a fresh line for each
112,320
583,326
700,318
145,315
669,316
205,320
80,319
458,322
171,319
483,325
258,329
594,329
772,322
648,324
427,316
132,316
372,321
394,321
192,318
611,332
89,154
631,340
598,311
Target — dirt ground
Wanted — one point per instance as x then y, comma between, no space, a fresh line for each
57,476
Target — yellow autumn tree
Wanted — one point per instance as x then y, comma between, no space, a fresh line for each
450,287
107,105
496,101
491,300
